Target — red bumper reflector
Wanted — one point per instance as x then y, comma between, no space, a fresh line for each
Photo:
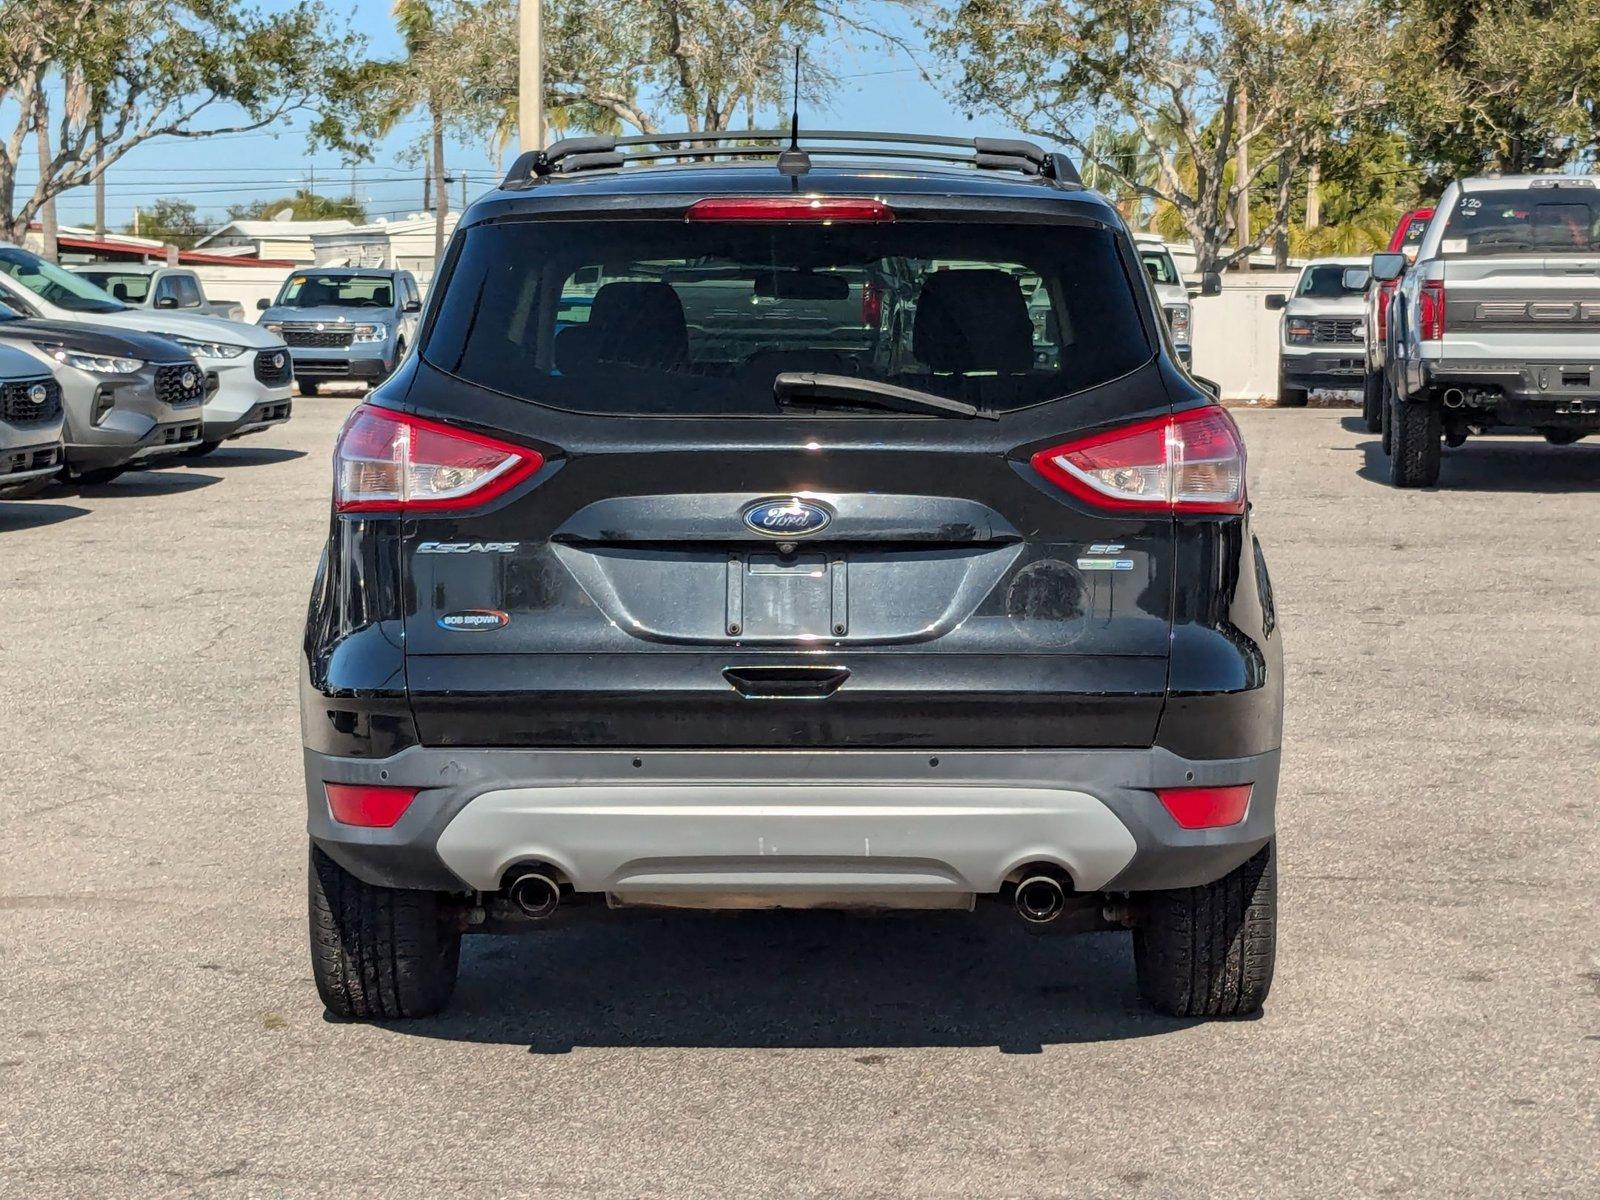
782,209
373,807
1206,807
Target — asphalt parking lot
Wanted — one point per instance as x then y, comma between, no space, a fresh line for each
1434,1030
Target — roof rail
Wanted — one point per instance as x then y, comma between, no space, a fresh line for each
571,155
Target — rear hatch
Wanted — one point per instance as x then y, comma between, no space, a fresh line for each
721,549
1521,275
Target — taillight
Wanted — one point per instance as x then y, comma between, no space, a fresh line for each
1206,807
825,210
1190,462
392,462
1430,311
1385,294
871,304
369,806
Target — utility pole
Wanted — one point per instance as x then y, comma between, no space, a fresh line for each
1314,196
530,75
1241,172
463,191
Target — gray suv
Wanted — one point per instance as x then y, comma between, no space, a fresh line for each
129,397
344,323
30,423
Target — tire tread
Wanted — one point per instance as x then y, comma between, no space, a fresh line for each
1209,951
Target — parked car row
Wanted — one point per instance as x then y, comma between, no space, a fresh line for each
94,387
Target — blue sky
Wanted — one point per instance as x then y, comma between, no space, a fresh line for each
879,89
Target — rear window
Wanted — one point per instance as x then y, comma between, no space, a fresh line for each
675,317
1546,220
127,286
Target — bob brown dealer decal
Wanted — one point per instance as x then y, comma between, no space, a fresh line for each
474,620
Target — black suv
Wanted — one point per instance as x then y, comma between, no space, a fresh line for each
765,526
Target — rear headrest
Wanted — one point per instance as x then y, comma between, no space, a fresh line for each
973,320
121,290
636,324
642,322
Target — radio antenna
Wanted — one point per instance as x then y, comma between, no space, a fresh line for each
794,161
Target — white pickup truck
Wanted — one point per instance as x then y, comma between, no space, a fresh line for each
1496,325
139,285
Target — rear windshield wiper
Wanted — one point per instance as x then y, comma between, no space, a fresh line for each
808,388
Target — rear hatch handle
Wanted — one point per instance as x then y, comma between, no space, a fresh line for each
785,683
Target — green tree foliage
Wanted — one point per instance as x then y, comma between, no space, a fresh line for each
101,77
1513,86
615,66
170,220
1194,80
305,205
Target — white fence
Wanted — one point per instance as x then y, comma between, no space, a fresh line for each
1236,337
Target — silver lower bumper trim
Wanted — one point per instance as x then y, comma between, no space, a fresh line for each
780,843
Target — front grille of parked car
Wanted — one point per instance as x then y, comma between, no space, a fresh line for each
273,367
171,388
27,401
334,338
1337,331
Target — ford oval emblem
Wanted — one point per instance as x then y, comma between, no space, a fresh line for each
787,517
188,379
37,394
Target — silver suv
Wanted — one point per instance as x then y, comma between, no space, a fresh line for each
30,423
1496,326
344,323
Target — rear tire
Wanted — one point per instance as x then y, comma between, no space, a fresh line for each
1372,402
1209,951
1414,437
307,388
378,953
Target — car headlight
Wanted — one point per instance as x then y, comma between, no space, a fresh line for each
210,349
1178,321
371,333
1297,329
95,364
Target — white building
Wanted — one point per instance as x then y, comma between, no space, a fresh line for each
404,244
290,240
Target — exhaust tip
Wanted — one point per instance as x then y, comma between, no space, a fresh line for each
537,895
1040,899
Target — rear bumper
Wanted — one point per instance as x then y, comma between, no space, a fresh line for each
1571,385
892,828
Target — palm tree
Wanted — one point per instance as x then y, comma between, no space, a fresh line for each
404,85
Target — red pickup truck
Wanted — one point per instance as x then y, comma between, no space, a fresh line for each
1406,238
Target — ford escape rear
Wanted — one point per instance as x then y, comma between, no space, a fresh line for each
730,542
